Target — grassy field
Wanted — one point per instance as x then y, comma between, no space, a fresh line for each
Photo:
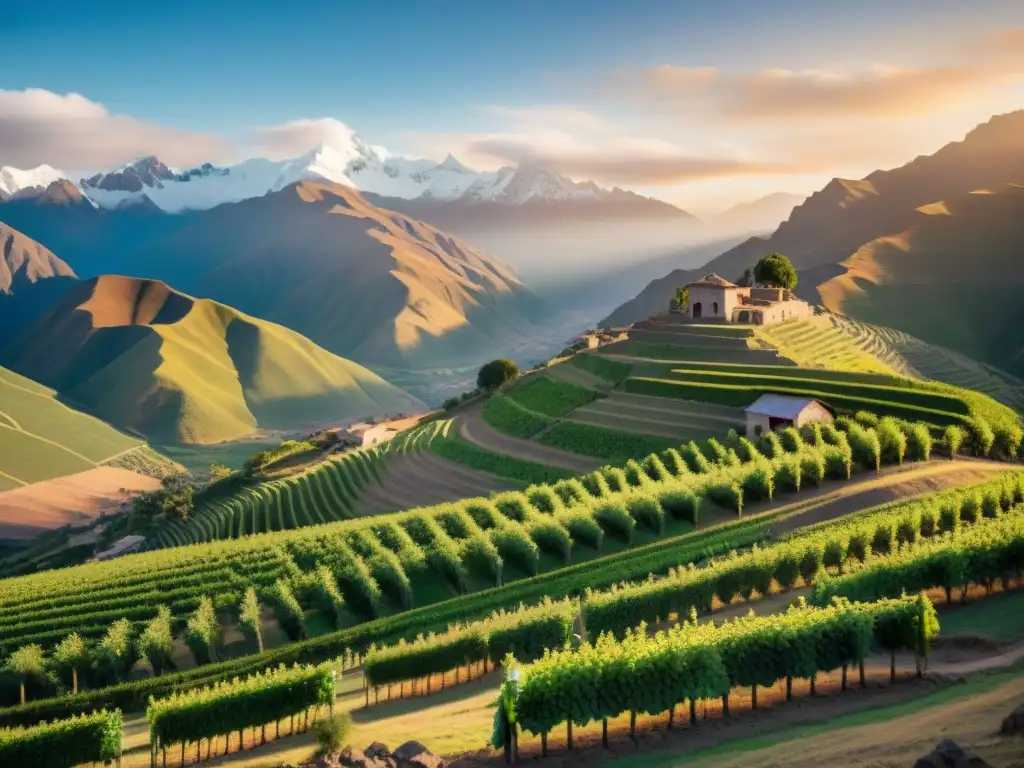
42,438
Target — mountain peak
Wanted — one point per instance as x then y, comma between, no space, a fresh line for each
450,163
13,180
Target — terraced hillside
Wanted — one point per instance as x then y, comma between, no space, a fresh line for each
821,342
43,438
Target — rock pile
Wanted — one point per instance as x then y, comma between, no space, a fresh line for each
949,754
412,754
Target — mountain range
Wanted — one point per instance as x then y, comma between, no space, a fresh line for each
158,363
933,247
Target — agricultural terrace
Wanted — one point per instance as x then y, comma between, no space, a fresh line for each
354,574
673,382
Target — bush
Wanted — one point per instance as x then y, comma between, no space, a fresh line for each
615,478
834,554
544,498
919,442
582,527
866,419
759,482
865,447
790,440
647,512
655,469
810,564
726,495
681,504
595,484
696,461
450,403
952,440
838,463
513,505
673,462
990,506
892,443
635,475
812,467
496,373
331,733
970,508
1007,440
616,520
883,541
747,451
930,524
810,433
515,545
571,492
551,536
787,473
949,517
770,445
716,452
858,545
980,437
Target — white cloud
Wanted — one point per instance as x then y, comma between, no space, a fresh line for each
71,132
296,137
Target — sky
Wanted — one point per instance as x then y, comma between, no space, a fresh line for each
703,104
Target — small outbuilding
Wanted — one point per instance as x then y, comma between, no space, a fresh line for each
770,412
123,546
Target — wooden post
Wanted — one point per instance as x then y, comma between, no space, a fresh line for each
753,696
183,753
789,687
604,732
725,704
568,733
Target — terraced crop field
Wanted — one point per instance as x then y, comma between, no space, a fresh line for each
680,420
818,342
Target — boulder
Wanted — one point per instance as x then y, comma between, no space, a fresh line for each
352,758
949,754
412,754
1013,722
377,749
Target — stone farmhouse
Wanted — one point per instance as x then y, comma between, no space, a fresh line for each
715,299
771,412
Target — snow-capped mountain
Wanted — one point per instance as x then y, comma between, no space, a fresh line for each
349,161
13,180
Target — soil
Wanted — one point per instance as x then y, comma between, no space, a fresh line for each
71,500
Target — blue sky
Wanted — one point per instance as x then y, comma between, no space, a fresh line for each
425,78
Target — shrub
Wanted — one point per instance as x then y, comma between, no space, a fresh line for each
202,633
864,446
732,438
156,641
615,478
674,463
810,433
513,505
544,498
655,469
595,484
892,443
930,525
287,610
949,517
952,440
770,445
331,733
484,513
496,373
716,453
919,442
812,467
838,463
582,527
787,568
990,506
759,482
790,439
1007,440
681,504
970,508
980,437
726,495
747,451
515,545
570,491
832,435
450,403
908,527
787,473
635,475
249,618
552,537
480,555
616,520
810,564
834,554
647,512
858,545
695,460
884,539
866,419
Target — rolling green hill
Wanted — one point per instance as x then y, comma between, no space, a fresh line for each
148,359
42,438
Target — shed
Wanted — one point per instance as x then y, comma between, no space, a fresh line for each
770,412
122,546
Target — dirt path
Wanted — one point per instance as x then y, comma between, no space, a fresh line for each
472,427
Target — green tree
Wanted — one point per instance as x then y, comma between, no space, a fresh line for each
202,633
249,617
26,662
775,271
116,652
680,300
218,471
747,278
156,642
496,373
70,655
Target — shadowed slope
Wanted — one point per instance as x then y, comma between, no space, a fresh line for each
145,357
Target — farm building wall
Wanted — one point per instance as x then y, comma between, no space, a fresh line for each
759,423
708,302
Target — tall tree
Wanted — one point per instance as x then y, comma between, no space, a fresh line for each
680,300
775,271
71,654
496,373
116,652
202,634
26,662
157,640
249,617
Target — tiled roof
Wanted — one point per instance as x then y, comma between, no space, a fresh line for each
779,406
715,280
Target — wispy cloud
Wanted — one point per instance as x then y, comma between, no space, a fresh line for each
294,137
72,132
